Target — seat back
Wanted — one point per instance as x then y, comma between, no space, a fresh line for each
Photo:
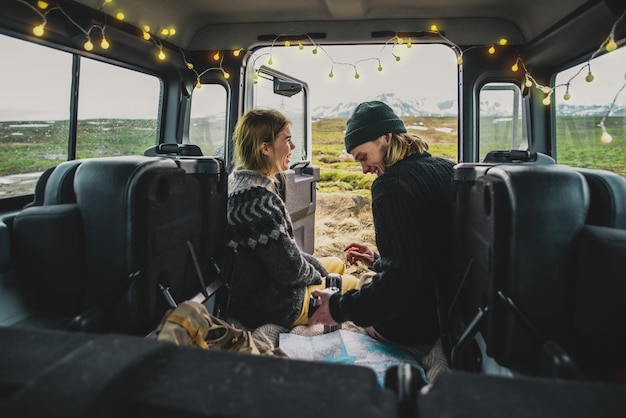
141,222
519,225
530,273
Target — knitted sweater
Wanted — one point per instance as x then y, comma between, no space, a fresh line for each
270,271
413,219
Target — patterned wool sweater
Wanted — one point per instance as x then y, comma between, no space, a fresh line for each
412,210
270,271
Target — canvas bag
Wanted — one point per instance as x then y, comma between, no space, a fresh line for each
191,325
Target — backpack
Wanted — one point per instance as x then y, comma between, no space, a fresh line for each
191,325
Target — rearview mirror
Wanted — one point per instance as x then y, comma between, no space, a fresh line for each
286,88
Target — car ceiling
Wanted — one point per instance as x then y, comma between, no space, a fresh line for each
207,24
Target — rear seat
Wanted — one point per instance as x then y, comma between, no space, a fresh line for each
98,264
546,247
599,312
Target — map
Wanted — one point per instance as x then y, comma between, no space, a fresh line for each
347,347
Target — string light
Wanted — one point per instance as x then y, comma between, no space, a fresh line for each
606,137
608,45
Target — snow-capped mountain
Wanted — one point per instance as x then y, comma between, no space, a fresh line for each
418,107
431,107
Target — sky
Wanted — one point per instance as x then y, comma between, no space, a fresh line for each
422,72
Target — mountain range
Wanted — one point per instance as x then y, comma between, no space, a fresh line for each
434,108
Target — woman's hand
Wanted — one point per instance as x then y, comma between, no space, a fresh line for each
359,252
322,313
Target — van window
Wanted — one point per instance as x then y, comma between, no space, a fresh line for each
591,123
500,119
34,113
118,110
207,122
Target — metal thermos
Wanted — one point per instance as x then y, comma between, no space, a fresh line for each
333,283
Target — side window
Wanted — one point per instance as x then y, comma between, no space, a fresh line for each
34,113
591,114
118,110
500,119
207,123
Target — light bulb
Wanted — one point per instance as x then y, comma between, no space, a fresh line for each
146,28
515,67
38,30
287,43
397,57
314,52
198,84
300,46
104,44
503,41
330,74
589,77
165,32
567,96
226,75
400,40
88,45
434,28
356,75
172,31
606,137
161,55
492,49
270,61
146,36
611,45
43,5
546,101
216,56
459,60
409,44
528,83
120,16
190,66
380,67
236,52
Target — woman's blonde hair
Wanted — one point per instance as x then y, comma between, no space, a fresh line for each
252,130
402,145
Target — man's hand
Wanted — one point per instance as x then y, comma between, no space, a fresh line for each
359,252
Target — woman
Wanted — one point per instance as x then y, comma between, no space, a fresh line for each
273,278
412,210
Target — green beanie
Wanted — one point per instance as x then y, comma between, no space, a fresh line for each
369,121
